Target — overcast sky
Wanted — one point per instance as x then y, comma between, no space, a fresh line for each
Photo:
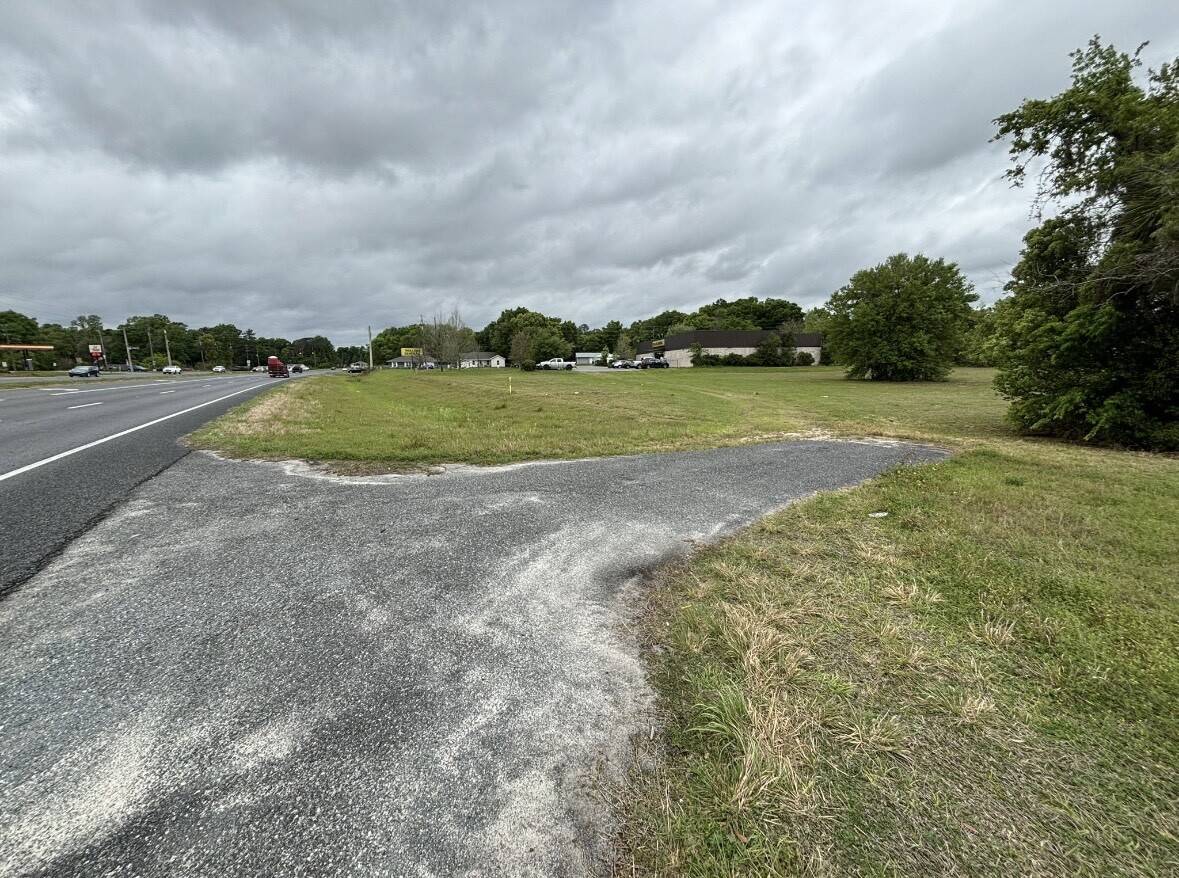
317,166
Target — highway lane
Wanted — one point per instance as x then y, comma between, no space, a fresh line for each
61,470
36,423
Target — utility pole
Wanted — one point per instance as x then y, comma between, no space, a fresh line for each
127,347
167,347
370,348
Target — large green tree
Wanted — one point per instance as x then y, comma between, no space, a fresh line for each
387,343
655,327
747,313
16,327
223,345
1088,342
543,337
900,321
316,351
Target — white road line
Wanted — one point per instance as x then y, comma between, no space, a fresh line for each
40,463
84,405
136,386
162,392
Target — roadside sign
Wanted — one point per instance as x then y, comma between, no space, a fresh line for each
411,352
96,350
657,343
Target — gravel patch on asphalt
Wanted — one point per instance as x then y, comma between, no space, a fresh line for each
255,669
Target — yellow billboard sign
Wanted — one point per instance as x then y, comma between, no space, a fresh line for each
657,343
411,352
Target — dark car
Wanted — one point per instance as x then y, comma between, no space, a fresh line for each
83,372
622,364
654,363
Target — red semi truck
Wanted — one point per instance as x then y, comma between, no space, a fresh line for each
277,368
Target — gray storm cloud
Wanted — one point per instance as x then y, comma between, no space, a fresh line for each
313,167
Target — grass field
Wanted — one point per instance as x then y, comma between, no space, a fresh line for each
396,420
985,681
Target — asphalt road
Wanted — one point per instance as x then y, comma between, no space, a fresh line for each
248,669
47,499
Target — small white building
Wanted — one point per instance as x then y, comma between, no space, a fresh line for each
591,359
482,360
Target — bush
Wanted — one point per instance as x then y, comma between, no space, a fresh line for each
771,352
804,358
528,366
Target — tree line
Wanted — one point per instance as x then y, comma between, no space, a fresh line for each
521,335
156,340
518,334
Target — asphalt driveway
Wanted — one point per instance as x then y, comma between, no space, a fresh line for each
248,669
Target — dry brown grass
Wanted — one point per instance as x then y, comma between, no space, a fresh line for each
274,415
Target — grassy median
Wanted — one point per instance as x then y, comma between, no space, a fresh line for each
983,681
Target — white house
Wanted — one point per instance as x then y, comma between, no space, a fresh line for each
482,360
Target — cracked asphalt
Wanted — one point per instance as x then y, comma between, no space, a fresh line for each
253,669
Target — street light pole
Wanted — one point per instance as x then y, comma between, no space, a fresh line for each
167,347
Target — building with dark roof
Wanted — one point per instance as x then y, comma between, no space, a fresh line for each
677,347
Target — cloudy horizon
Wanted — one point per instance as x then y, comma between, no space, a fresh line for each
310,168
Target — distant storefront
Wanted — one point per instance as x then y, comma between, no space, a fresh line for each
677,348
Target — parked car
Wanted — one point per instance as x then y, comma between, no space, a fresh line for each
218,368
654,363
171,370
556,363
83,372
622,364
357,368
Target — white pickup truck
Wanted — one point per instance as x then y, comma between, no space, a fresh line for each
555,363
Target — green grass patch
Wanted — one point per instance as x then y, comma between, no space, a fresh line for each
984,681
406,419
